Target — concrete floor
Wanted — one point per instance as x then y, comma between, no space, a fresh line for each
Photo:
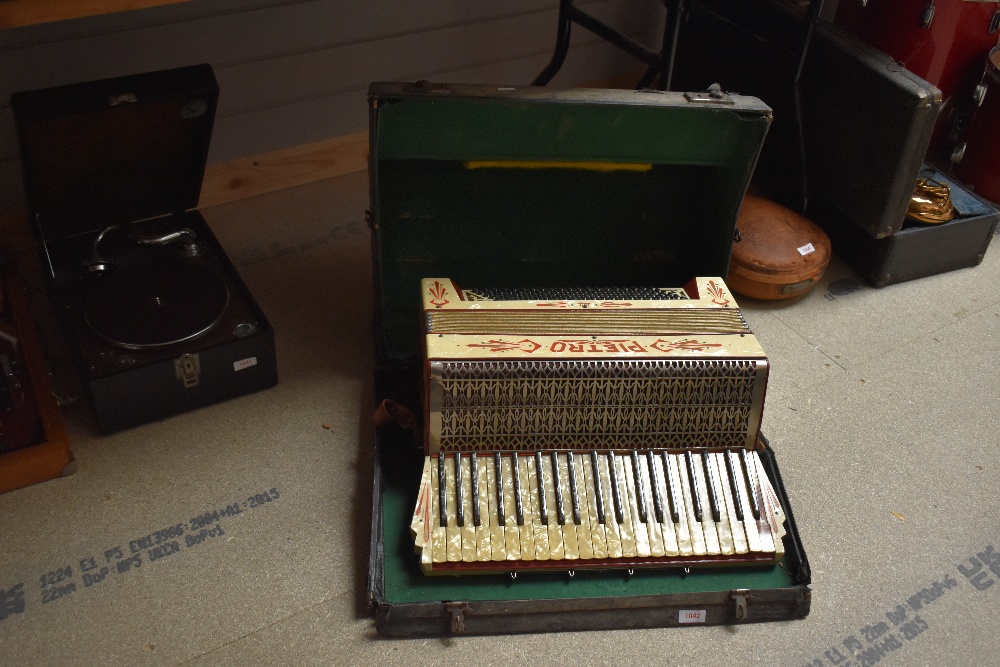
881,411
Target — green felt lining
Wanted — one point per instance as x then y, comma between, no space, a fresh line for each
436,217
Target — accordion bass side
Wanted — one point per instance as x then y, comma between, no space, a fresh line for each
602,428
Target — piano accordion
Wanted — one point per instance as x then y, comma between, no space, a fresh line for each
591,428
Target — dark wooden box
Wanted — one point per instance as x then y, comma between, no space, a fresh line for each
157,317
35,447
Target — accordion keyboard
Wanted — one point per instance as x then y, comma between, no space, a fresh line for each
563,510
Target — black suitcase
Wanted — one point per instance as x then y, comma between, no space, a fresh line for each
864,160
865,124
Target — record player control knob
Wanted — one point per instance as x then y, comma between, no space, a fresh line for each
244,329
98,266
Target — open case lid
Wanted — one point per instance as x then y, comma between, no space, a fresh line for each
111,151
532,187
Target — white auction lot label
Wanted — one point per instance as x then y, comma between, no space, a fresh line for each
691,616
244,363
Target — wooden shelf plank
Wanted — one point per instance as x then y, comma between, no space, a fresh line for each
16,13
245,177
259,174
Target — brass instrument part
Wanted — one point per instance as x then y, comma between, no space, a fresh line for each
930,202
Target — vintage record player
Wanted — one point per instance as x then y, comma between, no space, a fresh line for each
157,317
538,191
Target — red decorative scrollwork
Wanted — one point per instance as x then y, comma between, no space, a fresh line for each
525,345
716,291
588,304
688,344
438,291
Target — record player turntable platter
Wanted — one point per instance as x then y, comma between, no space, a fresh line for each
156,305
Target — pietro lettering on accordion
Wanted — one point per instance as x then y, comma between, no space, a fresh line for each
592,428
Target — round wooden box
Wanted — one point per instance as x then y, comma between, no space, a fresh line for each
780,254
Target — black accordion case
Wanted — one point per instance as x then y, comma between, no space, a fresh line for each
154,313
533,188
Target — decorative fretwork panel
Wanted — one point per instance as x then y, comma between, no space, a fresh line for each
528,405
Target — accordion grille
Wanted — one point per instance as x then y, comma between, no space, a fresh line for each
529,405
576,293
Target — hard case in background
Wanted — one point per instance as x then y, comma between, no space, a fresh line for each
754,47
779,254
528,187
156,316
864,160
865,123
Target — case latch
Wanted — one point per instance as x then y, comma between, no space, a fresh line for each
458,610
740,596
714,95
188,369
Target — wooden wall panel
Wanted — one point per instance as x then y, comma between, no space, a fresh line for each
293,72
17,13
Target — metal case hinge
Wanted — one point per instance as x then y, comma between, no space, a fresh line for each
714,95
740,596
458,610
188,369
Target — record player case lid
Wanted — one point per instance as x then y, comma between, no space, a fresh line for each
115,150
